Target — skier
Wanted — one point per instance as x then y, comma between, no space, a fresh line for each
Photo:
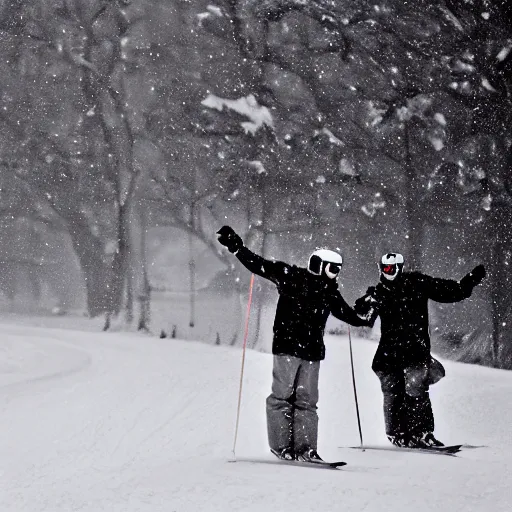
306,297
402,361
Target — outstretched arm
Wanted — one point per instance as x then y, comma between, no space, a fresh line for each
342,311
447,290
272,270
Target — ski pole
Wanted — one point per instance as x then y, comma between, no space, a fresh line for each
355,388
246,332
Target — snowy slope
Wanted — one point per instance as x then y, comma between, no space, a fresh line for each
119,422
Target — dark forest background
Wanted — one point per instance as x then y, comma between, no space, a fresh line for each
131,130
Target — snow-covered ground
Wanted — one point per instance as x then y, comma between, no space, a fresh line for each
121,422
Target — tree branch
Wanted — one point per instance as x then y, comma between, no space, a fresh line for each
189,228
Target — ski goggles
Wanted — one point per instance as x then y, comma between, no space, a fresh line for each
316,265
333,268
390,270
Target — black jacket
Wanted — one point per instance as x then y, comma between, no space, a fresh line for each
403,309
305,301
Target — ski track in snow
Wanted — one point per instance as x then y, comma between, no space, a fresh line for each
121,422
18,372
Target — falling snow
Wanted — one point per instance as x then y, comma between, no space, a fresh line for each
131,131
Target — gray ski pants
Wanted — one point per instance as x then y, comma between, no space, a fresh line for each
292,420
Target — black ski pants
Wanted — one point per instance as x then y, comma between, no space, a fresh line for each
292,419
407,406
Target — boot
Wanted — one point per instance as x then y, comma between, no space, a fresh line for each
398,440
284,453
426,440
308,456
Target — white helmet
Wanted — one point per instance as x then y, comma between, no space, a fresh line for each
325,261
391,265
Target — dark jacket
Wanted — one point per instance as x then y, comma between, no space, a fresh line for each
402,305
305,301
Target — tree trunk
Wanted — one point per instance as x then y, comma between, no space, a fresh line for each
500,284
138,266
90,252
263,191
495,310
192,262
413,216
120,260
261,297
145,300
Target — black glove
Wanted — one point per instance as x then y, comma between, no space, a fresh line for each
227,237
365,303
362,305
474,278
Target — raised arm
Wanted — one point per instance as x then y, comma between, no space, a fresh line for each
275,271
272,270
447,290
342,311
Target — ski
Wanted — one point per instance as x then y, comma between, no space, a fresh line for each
323,463
313,464
440,450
